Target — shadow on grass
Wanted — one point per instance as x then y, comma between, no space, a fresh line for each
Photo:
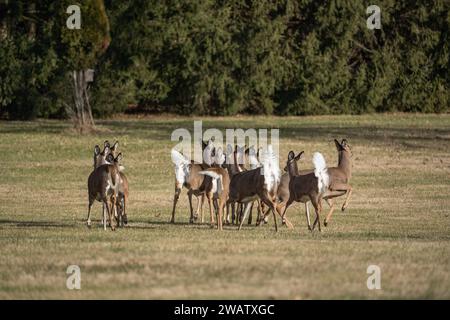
27,224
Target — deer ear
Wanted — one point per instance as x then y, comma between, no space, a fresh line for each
338,145
96,150
106,144
109,158
299,156
119,157
344,142
291,155
115,145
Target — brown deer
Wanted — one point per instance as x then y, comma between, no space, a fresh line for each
339,178
122,202
217,191
262,183
187,175
307,187
103,186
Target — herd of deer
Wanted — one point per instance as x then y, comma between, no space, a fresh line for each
227,184
231,181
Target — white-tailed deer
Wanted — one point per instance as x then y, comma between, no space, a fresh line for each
122,201
339,178
187,175
308,187
103,186
262,183
218,190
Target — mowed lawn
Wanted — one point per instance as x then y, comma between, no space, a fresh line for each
397,219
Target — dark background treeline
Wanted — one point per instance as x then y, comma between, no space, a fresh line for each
227,57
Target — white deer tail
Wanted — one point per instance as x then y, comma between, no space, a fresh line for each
321,172
271,170
217,180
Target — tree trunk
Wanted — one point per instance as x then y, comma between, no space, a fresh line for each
81,112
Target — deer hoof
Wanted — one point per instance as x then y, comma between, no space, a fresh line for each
325,223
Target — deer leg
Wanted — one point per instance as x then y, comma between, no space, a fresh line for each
220,212
330,202
260,214
105,213
316,205
250,218
175,200
91,202
200,203
247,208
347,199
191,218
280,210
308,216
125,217
112,213
211,209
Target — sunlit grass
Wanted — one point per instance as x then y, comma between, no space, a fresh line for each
398,217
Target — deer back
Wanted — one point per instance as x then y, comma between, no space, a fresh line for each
246,184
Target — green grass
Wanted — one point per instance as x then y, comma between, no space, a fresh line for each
398,217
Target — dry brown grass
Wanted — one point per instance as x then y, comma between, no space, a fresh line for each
398,217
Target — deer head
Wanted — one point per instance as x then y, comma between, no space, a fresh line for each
100,157
291,165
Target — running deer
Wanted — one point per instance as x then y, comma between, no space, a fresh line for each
307,187
262,183
103,186
187,175
339,178
218,190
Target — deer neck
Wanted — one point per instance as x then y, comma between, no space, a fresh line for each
292,169
345,164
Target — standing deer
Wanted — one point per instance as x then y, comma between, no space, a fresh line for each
218,190
103,186
122,201
187,175
262,183
307,187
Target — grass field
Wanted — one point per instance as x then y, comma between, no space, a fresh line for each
398,217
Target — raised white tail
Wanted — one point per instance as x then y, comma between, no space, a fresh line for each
321,172
217,181
271,169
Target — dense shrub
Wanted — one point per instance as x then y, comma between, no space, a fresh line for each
221,57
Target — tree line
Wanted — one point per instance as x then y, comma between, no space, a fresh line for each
217,57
